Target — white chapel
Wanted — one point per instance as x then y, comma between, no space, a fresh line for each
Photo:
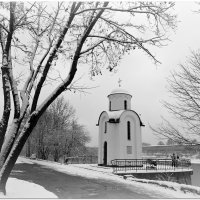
119,130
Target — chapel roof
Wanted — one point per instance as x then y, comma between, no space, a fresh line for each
114,116
119,91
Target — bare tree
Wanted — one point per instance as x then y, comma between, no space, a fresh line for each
76,140
38,38
184,87
58,133
36,143
49,135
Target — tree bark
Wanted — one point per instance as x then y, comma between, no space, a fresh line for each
6,64
15,151
8,141
7,103
28,148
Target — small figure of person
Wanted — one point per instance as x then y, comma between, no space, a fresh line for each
173,160
176,161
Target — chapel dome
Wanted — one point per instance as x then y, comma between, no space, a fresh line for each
119,91
119,99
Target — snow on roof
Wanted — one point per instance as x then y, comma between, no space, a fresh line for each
112,115
119,91
115,114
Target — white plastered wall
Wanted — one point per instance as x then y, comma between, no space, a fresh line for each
111,137
102,138
135,141
116,137
117,101
113,141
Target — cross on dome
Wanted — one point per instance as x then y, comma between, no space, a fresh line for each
119,82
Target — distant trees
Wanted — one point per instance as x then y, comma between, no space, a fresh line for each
44,43
58,133
170,142
161,143
184,87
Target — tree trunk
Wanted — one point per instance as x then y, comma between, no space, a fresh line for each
15,152
7,103
56,154
28,148
8,142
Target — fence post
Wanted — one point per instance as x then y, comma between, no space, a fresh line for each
136,165
146,164
157,164
182,165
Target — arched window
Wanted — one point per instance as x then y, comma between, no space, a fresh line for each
105,152
110,105
125,105
128,130
105,128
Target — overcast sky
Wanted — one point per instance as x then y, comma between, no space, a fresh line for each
145,81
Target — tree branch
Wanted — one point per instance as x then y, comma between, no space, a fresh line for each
22,18
62,87
11,26
132,10
2,26
139,43
52,55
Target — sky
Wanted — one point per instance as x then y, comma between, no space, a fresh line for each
144,80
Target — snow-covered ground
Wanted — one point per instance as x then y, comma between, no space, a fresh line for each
30,190
22,189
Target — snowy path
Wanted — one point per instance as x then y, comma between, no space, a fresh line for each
86,181
65,185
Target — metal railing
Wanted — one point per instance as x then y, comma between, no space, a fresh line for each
136,165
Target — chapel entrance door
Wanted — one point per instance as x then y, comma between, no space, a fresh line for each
105,153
